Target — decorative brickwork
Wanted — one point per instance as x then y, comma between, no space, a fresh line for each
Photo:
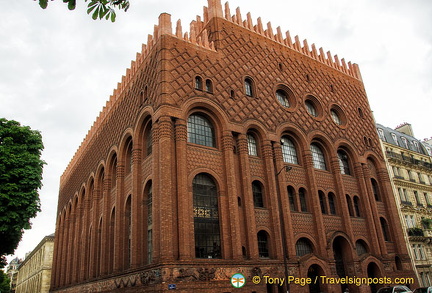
164,199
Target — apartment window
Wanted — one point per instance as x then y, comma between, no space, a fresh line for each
395,139
381,134
318,157
410,221
200,131
289,152
405,142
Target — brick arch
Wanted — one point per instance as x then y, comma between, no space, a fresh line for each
218,115
218,180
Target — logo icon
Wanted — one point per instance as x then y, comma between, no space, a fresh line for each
238,280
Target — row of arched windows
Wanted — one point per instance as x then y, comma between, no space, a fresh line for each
201,131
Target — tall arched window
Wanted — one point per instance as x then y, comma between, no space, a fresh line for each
149,139
128,232
375,189
257,192
200,130
209,86
252,145
384,228
263,245
343,162
303,202
206,217
128,157
149,197
289,152
357,206
332,203
322,201
198,83
318,157
350,206
292,199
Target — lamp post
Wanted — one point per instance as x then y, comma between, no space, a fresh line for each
282,227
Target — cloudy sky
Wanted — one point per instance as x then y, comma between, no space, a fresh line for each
58,67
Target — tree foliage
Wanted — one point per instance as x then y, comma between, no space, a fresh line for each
97,8
20,179
4,282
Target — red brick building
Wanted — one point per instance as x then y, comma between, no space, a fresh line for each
228,149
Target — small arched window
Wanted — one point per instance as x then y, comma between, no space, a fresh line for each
322,201
209,86
303,201
350,206
198,83
248,84
318,157
357,206
375,189
361,247
303,247
200,131
384,228
257,192
289,152
292,198
332,203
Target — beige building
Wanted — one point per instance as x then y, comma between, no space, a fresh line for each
34,274
12,272
410,164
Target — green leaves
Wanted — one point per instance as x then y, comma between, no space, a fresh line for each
20,181
97,8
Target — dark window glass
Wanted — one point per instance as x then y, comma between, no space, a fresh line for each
282,97
200,131
303,247
310,107
302,197
257,194
318,157
357,206
322,202
198,83
263,247
343,163
291,198
332,204
206,217
248,87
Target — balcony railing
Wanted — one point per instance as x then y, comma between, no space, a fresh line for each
415,232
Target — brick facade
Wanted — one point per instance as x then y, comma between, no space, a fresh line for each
126,213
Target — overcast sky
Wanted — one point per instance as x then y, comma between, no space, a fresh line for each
58,67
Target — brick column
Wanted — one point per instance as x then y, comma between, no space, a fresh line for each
272,200
184,201
314,204
70,244
104,230
248,203
136,206
231,196
373,209
119,249
341,199
164,201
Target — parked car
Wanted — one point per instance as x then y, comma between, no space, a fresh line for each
423,290
395,289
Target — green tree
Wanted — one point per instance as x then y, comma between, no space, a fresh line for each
97,8
4,283
20,179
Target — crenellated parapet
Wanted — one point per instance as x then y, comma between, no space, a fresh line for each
198,36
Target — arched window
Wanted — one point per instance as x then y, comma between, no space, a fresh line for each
322,202
209,86
318,157
248,84
350,206
252,145
113,171
343,162
128,232
357,206
200,131
311,109
303,202
149,197
198,83
206,217
375,189
149,139
289,152
128,157
332,204
303,247
384,228
263,245
292,199
361,247
257,192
